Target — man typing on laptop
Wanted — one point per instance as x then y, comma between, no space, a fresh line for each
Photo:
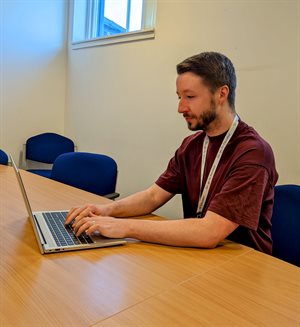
225,173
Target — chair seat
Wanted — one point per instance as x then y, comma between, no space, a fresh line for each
41,172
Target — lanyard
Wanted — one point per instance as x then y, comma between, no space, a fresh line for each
203,195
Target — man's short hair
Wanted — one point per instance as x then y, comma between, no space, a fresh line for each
214,68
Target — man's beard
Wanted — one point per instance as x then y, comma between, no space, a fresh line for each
204,119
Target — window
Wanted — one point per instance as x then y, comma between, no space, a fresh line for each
99,22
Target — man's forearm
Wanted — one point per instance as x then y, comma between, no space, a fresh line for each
133,205
206,232
140,203
182,232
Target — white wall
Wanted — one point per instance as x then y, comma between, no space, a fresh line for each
122,102
33,70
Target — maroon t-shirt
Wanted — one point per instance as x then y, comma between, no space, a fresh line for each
242,189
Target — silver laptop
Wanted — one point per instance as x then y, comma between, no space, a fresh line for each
51,233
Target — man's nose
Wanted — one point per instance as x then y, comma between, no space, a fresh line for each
182,107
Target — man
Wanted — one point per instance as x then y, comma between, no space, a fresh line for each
225,173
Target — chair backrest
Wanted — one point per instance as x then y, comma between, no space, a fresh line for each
3,158
46,147
95,173
286,223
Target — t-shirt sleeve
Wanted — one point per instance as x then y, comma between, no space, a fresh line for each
241,197
169,180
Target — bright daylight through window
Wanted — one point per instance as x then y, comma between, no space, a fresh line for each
98,22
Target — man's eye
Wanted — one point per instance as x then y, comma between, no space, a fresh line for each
190,96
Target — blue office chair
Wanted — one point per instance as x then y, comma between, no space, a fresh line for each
95,173
286,223
45,148
3,158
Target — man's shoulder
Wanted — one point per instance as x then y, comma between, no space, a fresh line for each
248,137
252,148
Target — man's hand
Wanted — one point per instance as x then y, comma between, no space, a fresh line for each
87,210
106,226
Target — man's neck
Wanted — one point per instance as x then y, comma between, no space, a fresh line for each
221,124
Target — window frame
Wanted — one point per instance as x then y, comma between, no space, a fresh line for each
146,32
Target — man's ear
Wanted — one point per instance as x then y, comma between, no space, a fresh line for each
223,94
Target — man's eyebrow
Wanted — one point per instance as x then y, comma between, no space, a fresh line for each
184,91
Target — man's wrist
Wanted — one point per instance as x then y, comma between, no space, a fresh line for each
109,209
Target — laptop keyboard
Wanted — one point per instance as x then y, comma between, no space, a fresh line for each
64,234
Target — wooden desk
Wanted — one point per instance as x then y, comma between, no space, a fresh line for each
137,284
